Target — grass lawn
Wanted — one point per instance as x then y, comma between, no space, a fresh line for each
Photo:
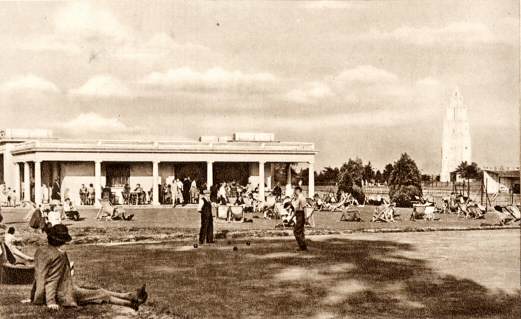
399,275
183,223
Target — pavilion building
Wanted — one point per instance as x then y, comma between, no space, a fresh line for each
31,158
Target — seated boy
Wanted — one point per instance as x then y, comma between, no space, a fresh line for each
54,285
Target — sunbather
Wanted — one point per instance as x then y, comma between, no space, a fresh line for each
10,241
114,213
70,211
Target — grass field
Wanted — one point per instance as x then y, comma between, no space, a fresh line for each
346,275
183,223
473,274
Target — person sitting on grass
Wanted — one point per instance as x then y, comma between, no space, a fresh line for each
114,213
70,210
10,241
54,285
55,215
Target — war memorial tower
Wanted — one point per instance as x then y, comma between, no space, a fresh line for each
456,146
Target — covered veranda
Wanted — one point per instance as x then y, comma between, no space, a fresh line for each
150,164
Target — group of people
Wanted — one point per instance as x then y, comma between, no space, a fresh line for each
7,196
87,194
218,196
179,192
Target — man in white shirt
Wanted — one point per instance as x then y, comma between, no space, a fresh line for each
299,203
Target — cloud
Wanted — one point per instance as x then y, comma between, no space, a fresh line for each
325,4
158,46
215,79
88,123
366,74
103,85
29,82
82,19
312,92
456,33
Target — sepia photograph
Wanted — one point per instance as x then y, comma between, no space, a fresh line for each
260,159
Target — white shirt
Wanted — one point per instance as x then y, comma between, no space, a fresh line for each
221,192
54,217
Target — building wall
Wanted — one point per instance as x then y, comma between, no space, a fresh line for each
73,175
495,184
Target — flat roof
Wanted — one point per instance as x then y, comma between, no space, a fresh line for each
161,146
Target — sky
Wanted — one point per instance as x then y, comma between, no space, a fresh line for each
368,79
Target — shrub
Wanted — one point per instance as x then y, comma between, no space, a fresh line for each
404,182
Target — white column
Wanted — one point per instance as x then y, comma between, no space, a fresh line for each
27,182
209,174
261,182
16,185
97,181
311,180
38,182
155,181
269,180
288,175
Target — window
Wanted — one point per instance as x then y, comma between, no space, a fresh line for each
118,175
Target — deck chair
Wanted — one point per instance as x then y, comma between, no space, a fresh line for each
106,210
236,213
223,212
386,214
350,214
12,273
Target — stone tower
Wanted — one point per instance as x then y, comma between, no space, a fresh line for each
456,146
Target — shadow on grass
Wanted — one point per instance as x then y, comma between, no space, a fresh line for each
339,278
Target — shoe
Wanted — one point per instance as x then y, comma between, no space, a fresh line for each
301,249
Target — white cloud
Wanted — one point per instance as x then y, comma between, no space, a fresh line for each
84,20
366,74
159,46
456,33
102,85
212,79
312,92
86,123
328,4
29,82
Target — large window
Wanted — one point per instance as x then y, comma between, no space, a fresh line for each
118,175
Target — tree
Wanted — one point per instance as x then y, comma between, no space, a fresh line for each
368,174
468,172
328,176
350,178
378,177
387,172
405,181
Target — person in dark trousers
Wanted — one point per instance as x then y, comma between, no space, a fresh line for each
186,190
299,202
55,191
205,209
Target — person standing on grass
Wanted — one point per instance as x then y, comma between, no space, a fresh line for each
55,191
54,285
186,190
299,203
205,209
